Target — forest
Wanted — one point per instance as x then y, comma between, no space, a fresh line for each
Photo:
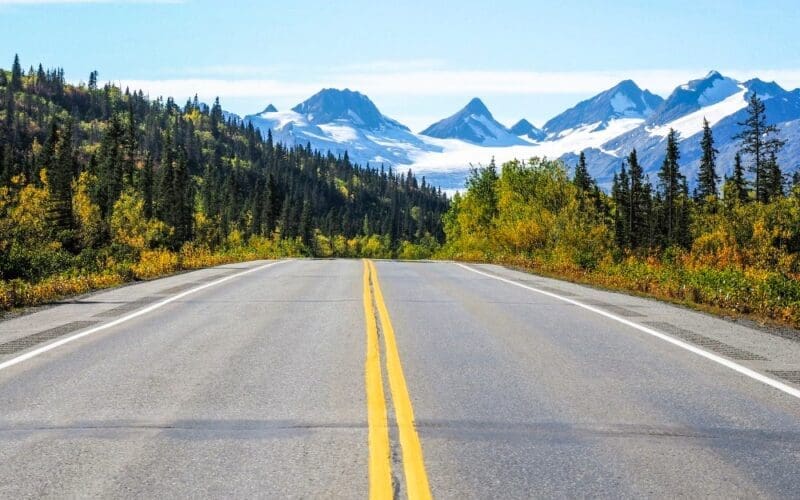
100,185
732,245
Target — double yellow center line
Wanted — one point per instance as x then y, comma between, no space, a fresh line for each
380,471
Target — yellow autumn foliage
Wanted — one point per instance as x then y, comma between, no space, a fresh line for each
130,227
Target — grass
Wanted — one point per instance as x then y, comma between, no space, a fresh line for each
767,297
151,264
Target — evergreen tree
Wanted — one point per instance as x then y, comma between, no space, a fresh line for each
165,208
110,166
683,235
216,117
287,223
16,76
620,192
93,81
147,188
257,209
582,180
273,205
707,177
757,140
737,184
130,142
183,199
60,172
638,204
671,183
269,142
775,180
306,228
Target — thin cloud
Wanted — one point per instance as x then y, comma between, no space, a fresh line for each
447,83
250,71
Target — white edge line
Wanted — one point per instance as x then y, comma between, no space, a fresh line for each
655,333
49,347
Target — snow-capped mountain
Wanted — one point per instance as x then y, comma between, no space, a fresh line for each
343,120
269,109
696,94
474,124
624,100
605,127
345,106
720,100
527,129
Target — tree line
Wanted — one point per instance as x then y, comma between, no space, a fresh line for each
732,242
80,165
660,216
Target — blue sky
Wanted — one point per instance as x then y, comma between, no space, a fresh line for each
418,60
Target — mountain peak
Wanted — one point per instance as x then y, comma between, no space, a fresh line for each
764,90
626,85
696,94
269,109
331,104
477,107
522,127
473,123
526,128
624,100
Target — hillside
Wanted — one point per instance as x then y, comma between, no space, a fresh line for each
92,175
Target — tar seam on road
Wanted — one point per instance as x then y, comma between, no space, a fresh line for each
380,474
655,333
413,462
30,354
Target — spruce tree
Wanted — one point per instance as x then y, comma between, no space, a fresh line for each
257,208
639,203
60,171
683,235
93,81
775,180
16,75
671,188
737,184
287,220
273,205
165,208
620,192
216,117
582,180
707,177
110,167
269,142
306,225
757,140
184,199
146,181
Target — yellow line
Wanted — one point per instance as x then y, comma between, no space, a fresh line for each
413,463
380,475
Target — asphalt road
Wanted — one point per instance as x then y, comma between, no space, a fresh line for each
323,378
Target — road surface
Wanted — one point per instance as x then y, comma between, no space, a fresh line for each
342,378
